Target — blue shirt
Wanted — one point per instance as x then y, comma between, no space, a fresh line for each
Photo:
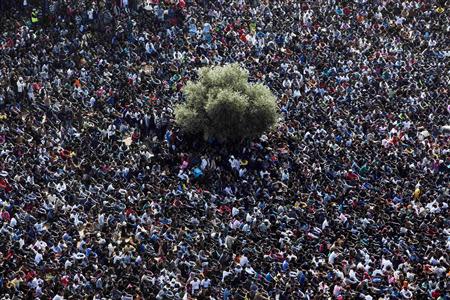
206,28
192,29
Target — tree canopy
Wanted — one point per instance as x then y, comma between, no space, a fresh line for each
222,104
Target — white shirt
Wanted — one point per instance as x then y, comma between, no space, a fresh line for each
235,224
40,245
204,164
195,284
385,264
325,224
38,258
332,257
20,86
235,164
67,264
206,283
243,260
35,282
234,211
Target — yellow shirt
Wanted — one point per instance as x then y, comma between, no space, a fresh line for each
34,18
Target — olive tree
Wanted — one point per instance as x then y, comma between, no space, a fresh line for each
222,104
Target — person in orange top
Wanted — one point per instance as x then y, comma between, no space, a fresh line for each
77,83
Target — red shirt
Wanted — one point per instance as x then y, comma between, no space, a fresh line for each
64,280
435,294
6,216
5,185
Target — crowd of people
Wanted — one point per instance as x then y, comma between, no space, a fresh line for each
103,197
